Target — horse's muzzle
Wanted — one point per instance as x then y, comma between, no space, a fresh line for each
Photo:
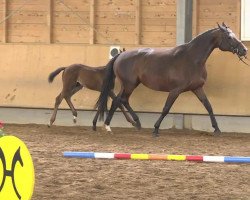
242,52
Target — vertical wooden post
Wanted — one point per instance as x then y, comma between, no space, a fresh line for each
238,19
184,21
49,21
138,22
195,15
5,23
92,21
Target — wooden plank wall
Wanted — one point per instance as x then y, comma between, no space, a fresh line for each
70,21
115,22
134,22
158,22
29,24
208,12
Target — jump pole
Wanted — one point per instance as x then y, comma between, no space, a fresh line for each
141,156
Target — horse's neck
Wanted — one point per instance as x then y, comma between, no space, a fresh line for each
202,46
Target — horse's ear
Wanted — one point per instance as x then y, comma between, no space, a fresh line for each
223,24
223,28
219,26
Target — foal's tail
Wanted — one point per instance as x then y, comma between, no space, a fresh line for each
55,73
107,86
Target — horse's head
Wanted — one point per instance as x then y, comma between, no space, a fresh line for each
229,42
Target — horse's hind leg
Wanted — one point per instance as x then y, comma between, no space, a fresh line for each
128,118
203,98
124,99
58,101
125,102
114,105
95,120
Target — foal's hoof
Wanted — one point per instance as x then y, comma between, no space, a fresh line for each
48,125
74,119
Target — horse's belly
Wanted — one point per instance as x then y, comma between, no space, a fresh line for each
158,84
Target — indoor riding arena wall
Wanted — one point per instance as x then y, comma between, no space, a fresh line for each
46,34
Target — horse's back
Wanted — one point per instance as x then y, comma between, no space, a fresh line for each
154,68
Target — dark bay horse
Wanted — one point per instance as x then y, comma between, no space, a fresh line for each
174,70
75,77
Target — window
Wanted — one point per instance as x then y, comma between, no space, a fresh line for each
245,17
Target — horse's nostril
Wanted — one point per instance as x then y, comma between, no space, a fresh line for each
244,50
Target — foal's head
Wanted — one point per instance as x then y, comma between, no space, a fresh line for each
229,42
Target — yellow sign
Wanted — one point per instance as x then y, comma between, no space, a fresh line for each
17,177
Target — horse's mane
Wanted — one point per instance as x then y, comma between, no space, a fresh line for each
203,34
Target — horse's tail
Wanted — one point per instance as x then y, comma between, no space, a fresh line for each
55,73
107,86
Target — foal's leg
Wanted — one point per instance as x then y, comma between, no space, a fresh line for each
72,108
58,101
169,102
203,98
68,100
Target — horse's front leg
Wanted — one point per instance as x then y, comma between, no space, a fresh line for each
169,102
203,98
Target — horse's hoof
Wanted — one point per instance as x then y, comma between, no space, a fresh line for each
217,132
94,128
107,128
48,125
138,125
155,133
134,124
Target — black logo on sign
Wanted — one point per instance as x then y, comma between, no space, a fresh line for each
114,52
10,173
